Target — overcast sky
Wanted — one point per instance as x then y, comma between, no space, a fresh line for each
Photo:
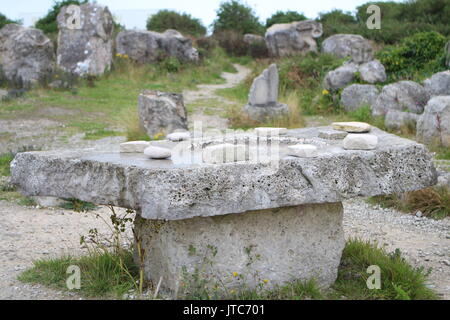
133,13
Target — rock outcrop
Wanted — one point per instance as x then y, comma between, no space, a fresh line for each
162,112
147,46
340,77
433,125
401,96
293,38
348,45
85,39
26,54
372,72
395,120
356,96
438,84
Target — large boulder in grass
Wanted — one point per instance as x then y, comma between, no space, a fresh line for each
357,96
372,72
293,38
401,96
162,112
340,77
26,54
433,125
395,120
438,84
85,39
353,46
147,46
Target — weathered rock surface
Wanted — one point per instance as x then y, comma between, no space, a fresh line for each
293,38
348,45
340,77
438,84
358,141
26,54
372,72
356,96
85,39
401,96
161,112
332,134
433,125
268,131
395,120
277,245
179,136
352,126
166,190
224,153
147,46
262,100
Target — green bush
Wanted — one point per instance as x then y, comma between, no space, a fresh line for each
420,52
182,22
232,42
284,17
4,21
238,17
48,24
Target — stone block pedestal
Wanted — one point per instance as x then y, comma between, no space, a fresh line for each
265,247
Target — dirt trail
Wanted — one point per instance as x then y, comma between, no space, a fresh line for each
207,92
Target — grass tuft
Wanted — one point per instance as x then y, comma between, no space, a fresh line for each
5,161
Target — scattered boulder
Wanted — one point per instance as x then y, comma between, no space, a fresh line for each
262,103
293,38
356,96
85,39
331,134
179,136
352,127
438,84
26,54
147,46
402,96
340,77
162,112
348,45
372,72
395,119
360,142
433,126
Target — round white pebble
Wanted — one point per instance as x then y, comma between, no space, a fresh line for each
157,152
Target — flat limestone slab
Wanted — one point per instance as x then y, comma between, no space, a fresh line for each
268,247
181,188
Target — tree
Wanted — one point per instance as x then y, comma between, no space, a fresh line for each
235,16
48,24
4,21
182,22
284,17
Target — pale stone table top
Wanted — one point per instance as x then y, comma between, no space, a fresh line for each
184,187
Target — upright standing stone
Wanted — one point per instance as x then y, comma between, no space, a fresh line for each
26,54
85,40
293,38
162,112
262,103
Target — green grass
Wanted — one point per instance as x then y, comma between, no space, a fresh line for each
101,274
103,277
433,202
5,161
78,205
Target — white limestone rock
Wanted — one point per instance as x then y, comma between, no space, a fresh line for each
303,151
360,142
352,127
134,146
179,136
224,153
267,131
157,152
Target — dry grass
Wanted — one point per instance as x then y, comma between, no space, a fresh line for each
129,119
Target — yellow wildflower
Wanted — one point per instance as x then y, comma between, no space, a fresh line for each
235,274
158,136
325,92
265,281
